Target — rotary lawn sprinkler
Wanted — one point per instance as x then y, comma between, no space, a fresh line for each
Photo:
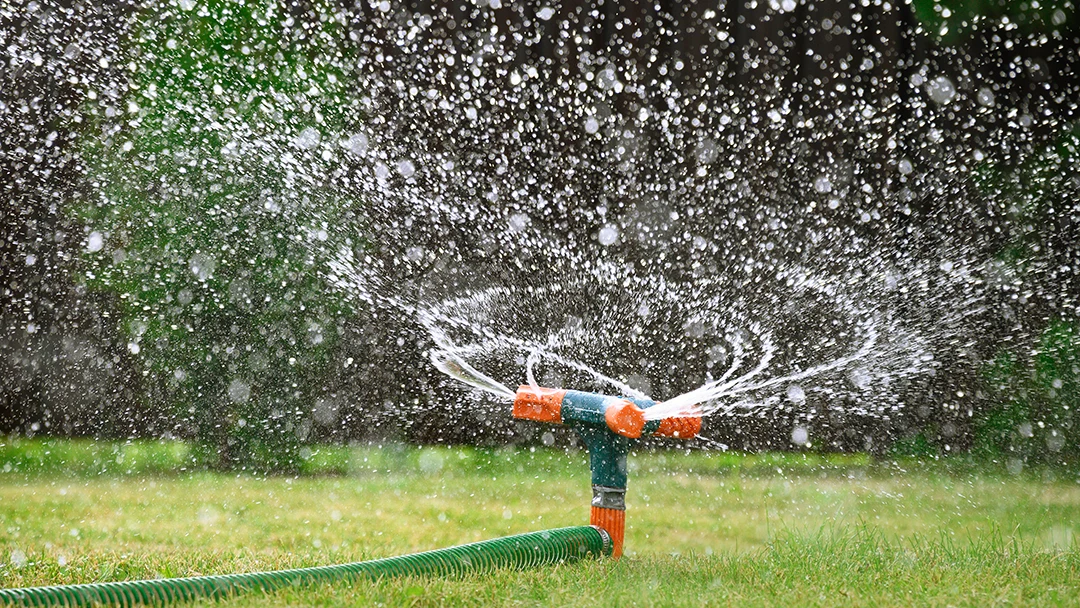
608,426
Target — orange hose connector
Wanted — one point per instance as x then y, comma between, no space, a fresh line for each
542,406
612,521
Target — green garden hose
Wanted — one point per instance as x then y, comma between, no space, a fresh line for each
518,551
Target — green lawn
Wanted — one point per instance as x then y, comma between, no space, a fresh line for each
702,528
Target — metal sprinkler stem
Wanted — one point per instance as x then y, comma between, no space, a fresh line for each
607,425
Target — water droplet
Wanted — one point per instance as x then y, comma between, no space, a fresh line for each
941,90
519,222
18,558
860,378
432,461
357,144
608,234
202,266
799,435
239,391
94,242
308,139
707,151
796,394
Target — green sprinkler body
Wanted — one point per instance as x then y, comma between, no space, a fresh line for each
608,426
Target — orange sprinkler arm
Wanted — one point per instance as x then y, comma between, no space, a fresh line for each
621,416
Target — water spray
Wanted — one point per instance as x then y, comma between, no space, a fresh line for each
608,426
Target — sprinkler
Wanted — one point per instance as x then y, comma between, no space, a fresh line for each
608,426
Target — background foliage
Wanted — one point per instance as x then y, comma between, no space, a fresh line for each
209,241
174,175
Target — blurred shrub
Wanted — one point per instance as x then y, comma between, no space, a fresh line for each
1033,387
950,20
1033,419
215,164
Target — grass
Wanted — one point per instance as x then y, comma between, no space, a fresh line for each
720,529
